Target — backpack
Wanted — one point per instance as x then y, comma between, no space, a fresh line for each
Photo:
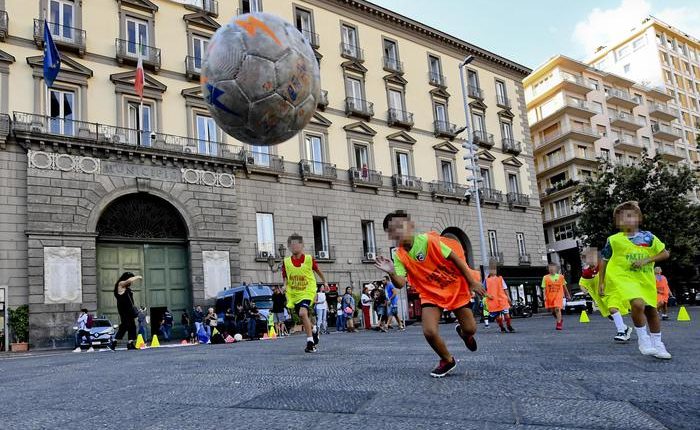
88,324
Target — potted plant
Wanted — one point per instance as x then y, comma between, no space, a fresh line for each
19,327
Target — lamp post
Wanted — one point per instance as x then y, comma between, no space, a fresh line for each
471,157
272,261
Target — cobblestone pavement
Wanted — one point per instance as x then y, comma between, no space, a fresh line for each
536,378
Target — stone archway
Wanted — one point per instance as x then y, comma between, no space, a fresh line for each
461,237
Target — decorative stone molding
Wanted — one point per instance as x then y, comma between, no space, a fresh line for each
62,275
205,177
217,272
63,162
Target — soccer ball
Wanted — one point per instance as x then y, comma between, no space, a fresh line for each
260,79
238,337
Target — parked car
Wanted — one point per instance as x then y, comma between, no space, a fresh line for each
579,302
101,334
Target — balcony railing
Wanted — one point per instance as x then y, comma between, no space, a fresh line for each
393,65
524,259
352,52
364,177
263,252
503,101
129,51
120,137
616,96
669,152
449,189
3,24
323,99
475,92
622,118
210,7
327,253
313,38
311,169
407,183
483,138
664,131
661,111
263,161
518,199
491,195
193,66
497,257
578,80
63,35
444,129
400,118
511,146
359,107
583,130
562,185
556,161
436,79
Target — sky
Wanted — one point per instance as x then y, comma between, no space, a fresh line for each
531,32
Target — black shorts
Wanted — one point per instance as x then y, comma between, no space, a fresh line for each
302,304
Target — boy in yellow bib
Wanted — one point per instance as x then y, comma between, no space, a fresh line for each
300,286
627,271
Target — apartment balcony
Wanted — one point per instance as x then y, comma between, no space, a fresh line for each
491,195
621,98
573,107
625,121
128,53
261,162
313,38
393,65
503,102
578,158
66,37
352,52
400,118
497,257
576,84
4,21
475,92
437,80
265,252
524,259
358,107
318,171
444,129
449,190
662,112
193,67
483,139
518,200
365,178
580,133
27,125
210,7
323,100
628,144
665,132
407,184
511,146
670,153
324,255
559,189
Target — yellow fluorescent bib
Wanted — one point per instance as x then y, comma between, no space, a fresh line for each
301,281
610,300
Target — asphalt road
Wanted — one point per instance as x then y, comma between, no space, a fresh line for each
536,378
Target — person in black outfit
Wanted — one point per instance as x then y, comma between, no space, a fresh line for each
240,319
253,315
229,321
126,309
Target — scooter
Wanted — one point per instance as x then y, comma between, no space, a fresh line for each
521,310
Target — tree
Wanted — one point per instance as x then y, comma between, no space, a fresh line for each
662,192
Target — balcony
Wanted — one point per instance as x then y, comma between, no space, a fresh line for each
400,118
444,129
359,107
80,132
576,84
210,7
318,171
128,52
366,178
323,99
449,190
352,52
369,255
560,161
407,184
313,38
580,133
662,112
511,146
524,259
503,102
3,24
518,200
574,107
193,67
437,80
491,195
266,251
621,98
262,162
665,132
670,153
325,255
497,257
625,121
483,139
628,144
475,92
559,186
64,36
393,65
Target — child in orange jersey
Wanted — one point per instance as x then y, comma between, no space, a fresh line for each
442,278
554,287
498,301
663,292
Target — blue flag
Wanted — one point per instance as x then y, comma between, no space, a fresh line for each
52,60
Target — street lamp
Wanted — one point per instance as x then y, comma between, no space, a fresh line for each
271,261
471,156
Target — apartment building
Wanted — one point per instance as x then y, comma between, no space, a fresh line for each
205,211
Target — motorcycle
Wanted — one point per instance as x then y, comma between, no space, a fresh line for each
521,310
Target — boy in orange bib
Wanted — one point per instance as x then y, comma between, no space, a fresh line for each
663,292
441,276
498,302
554,287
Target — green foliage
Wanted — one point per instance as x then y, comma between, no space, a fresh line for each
19,323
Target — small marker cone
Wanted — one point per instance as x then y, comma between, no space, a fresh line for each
214,332
265,336
584,317
683,314
154,341
184,342
140,344
271,333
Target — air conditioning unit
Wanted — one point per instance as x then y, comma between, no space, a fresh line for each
38,129
119,138
408,182
323,255
250,160
306,167
370,256
263,254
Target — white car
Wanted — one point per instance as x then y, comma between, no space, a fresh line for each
579,302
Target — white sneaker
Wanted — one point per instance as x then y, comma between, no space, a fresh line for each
646,347
661,351
628,333
76,349
91,349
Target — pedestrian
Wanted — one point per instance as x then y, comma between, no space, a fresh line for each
279,303
380,307
339,316
198,317
663,292
141,318
229,321
554,287
366,302
392,310
84,325
240,319
321,307
253,315
611,305
628,269
498,301
300,285
442,278
126,309
186,324
211,321
167,324
348,308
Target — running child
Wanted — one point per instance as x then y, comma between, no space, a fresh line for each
627,269
442,278
498,301
554,287
486,313
611,306
300,285
663,292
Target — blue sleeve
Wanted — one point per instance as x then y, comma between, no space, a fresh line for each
607,251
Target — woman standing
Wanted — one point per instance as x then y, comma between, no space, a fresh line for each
321,311
366,301
127,310
349,309
210,321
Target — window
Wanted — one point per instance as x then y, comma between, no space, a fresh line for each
261,155
248,6
140,125
563,232
507,130
321,237
626,68
479,123
485,177
396,101
501,94
435,69
560,177
199,47
623,52
513,183
369,244
561,208
646,142
136,37
266,234
446,171
314,153
206,135
349,36
304,23
361,156
582,151
593,83
520,238
441,114
642,119
353,87
391,55
493,243
618,157
61,19
402,165
61,110
472,79
597,107
639,42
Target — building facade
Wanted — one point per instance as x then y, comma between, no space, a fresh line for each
579,114
94,183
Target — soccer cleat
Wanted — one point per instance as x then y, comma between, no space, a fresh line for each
628,333
664,317
511,329
469,342
503,329
76,349
443,368
620,337
646,347
314,331
310,347
661,351
559,325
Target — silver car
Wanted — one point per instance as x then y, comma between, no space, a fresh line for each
101,334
